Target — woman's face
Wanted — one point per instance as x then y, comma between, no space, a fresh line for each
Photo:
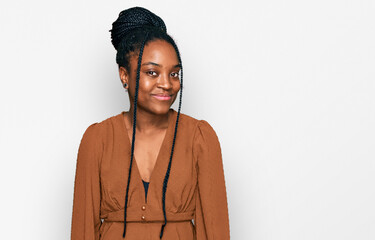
159,80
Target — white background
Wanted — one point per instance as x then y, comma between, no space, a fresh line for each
289,87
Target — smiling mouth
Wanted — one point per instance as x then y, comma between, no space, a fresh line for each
162,97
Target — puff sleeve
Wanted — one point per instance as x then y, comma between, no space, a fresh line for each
86,200
211,218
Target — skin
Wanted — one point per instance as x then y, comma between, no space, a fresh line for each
152,114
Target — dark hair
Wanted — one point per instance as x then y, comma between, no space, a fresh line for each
130,32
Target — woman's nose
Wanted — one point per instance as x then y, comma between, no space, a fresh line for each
164,81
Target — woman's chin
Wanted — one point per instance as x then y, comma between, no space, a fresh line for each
160,110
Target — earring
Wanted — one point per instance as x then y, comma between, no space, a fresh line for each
125,85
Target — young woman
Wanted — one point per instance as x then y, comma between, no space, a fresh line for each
149,173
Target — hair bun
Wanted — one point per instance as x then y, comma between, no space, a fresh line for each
132,18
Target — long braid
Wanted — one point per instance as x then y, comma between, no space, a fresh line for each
131,31
166,178
134,128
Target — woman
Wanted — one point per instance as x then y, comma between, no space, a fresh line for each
176,187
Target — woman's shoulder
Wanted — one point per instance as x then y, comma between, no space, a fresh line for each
190,121
196,125
104,125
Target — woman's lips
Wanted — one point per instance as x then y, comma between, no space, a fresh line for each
162,97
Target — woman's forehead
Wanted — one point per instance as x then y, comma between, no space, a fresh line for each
158,53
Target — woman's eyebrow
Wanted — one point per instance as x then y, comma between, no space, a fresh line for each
159,65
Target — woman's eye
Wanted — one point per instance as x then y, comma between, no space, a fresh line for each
152,73
175,74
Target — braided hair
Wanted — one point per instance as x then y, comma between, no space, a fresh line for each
130,33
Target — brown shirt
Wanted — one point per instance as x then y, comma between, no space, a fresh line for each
196,187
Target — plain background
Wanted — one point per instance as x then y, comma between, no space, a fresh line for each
289,87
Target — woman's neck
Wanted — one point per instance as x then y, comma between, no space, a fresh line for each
148,122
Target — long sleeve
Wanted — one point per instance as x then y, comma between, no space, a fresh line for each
211,216
86,201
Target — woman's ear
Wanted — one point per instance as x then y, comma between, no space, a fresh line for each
124,76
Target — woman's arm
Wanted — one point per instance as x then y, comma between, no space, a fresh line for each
211,217
86,204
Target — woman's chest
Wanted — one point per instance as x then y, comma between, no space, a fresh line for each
181,183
